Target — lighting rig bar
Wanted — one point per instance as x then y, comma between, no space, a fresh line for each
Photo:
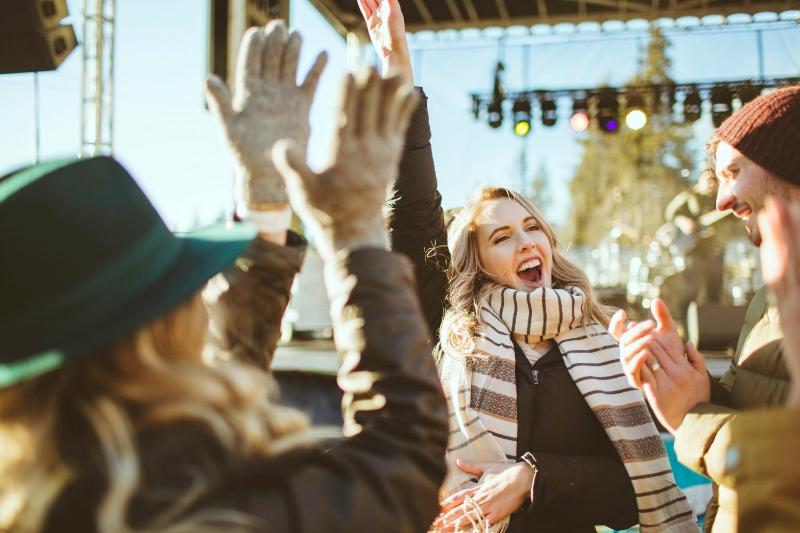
601,105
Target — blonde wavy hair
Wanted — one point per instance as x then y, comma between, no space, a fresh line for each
470,283
155,378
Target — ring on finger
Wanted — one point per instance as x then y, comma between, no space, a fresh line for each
656,367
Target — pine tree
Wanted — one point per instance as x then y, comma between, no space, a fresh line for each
539,191
627,178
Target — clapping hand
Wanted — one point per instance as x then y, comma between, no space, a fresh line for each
267,105
779,225
342,205
655,359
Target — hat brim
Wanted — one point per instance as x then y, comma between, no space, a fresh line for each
204,253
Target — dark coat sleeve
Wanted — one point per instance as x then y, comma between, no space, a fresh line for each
385,477
598,489
246,302
416,220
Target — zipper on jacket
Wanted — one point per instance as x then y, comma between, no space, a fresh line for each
535,377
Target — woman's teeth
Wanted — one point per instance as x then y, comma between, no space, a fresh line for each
533,263
531,275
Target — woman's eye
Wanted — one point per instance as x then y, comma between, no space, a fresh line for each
532,227
500,239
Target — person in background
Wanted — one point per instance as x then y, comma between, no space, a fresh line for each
117,410
694,220
755,156
564,476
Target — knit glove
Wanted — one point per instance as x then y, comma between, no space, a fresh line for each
267,106
342,206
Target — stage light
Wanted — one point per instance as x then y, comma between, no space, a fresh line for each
521,113
635,116
692,105
580,115
635,119
721,104
549,110
608,111
495,113
747,92
580,121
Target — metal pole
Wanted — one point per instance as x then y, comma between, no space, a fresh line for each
526,57
98,81
523,168
113,39
760,44
36,117
85,53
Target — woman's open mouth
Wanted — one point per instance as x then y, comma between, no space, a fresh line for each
530,272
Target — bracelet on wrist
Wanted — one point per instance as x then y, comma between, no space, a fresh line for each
530,459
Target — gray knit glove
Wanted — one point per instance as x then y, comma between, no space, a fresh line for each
342,206
267,106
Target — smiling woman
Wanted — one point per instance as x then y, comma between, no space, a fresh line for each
512,245
501,237
546,434
542,418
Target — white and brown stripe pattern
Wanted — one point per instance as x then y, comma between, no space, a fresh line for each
481,390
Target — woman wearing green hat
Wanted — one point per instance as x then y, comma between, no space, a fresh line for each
119,409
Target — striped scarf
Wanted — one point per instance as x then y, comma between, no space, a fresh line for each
482,394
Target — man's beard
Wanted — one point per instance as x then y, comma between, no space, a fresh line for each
753,234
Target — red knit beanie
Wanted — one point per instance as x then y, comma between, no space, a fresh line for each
767,131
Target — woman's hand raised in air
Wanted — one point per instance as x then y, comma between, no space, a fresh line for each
387,30
342,205
267,105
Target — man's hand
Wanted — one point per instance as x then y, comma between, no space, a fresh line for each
267,105
387,31
652,356
502,490
779,225
343,205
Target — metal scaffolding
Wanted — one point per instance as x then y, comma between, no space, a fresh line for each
421,15
229,19
97,87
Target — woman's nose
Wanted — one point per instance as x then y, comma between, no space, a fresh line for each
525,243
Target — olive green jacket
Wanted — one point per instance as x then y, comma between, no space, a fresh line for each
757,378
761,470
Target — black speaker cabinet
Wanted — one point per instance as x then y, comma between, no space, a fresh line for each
32,37
714,327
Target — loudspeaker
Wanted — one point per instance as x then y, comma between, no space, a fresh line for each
31,36
714,327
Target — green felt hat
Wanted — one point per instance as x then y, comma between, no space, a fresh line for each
85,259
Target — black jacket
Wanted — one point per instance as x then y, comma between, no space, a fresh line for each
386,478
581,480
416,221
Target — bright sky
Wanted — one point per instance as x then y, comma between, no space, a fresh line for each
171,144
